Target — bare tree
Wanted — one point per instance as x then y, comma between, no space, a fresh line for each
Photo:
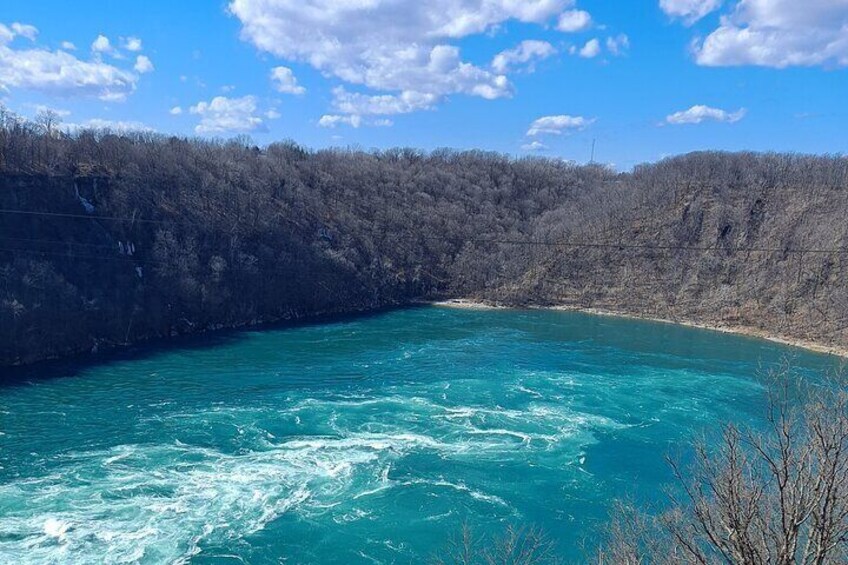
48,120
777,496
515,546
739,239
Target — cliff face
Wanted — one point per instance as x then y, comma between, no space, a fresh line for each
159,237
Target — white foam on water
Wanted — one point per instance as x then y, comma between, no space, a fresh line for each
196,496
438,517
530,391
367,557
162,503
461,487
352,516
525,438
55,528
166,502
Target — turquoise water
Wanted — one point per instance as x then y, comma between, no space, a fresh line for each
362,441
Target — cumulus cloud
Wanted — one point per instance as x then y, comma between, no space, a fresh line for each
779,34
68,46
701,113
58,72
526,51
574,20
176,111
381,104
132,44
556,125
591,49
401,48
285,81
143,64
102,45
354,121
534,146
333,120
690,11
228,115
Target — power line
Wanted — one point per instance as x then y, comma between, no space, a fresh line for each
501,241
114,218
136,261
91,217
552,244
59,242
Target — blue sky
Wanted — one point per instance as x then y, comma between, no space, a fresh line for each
644,78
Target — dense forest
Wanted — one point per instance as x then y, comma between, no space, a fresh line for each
111,238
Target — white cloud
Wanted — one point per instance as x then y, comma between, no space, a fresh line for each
176,111
558,124
333,120
143,64
9,33
400,48
525,52
701,113
354,121
112,125
573,21
6,35
381,104
59,72
228,115
103,45
273,114
690,11
779,34
25,30
132,44
618,45
285,81
534,146
68,46
591,49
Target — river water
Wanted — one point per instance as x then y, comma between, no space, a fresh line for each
368,440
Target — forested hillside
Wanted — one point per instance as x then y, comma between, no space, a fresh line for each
110,239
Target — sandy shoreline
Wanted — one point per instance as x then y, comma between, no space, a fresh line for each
739,330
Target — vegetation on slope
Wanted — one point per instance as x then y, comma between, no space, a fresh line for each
114,238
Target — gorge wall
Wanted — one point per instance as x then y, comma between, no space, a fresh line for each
114,239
